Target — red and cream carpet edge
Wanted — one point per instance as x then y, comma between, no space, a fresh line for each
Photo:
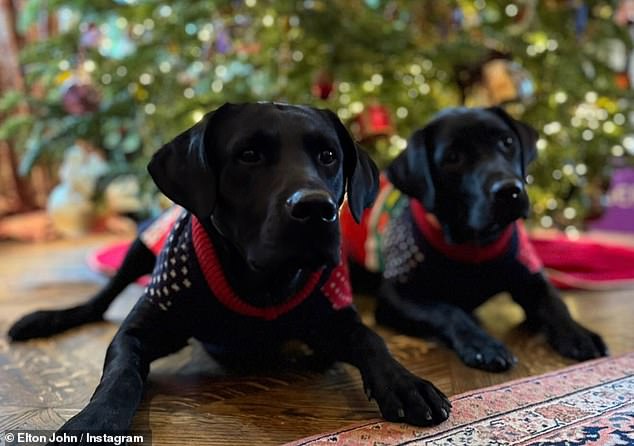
591,403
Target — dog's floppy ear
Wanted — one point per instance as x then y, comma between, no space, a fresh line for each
527,135
360,172
409,172
181,169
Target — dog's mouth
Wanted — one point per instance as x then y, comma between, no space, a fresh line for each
309,258
482,228
294,246
317,261
257,267
310,264
493,228
461,234
490,234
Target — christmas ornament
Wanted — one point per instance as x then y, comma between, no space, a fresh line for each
622,80
90,36
323,85
522,13
582,13
624,15
498,81
619,206
507,81
373,121
223,42
79,98
494,81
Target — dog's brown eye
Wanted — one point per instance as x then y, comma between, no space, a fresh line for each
327,157
250,156
453,158
506,143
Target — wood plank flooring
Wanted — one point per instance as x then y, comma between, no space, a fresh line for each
192,400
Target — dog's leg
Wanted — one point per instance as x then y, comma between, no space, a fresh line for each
401,395
146,334
545,311
139,260
448,322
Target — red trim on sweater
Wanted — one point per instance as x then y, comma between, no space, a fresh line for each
222,290
465,252
526,253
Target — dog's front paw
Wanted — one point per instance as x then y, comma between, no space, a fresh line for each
577,342
92,421
485,353
44,323
34,325
403,397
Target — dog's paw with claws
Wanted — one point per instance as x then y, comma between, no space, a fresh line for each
403,397
577,342
485,353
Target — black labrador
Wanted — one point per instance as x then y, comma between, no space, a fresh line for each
454,239
254,260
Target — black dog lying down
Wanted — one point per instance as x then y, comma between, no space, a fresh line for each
453,239
253,262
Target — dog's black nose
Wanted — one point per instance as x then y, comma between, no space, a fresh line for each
311,205
506,191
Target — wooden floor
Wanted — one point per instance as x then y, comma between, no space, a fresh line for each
191,400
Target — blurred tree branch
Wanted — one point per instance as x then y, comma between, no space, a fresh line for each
11,78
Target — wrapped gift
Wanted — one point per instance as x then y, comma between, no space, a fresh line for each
619,215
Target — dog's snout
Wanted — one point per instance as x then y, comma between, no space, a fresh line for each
311,205
506,191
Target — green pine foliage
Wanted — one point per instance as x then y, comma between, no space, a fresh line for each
160,65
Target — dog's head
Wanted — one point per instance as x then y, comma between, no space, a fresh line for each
271,178
467,167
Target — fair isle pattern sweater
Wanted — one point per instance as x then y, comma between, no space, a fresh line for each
189,274
404,243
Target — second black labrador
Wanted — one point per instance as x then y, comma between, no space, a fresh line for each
252,261
453,239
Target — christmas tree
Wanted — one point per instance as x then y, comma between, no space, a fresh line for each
128,75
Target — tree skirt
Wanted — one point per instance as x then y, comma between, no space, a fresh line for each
591,403
107,260
580,264
586,264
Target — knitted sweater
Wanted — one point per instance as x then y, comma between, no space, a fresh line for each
399,239
188,280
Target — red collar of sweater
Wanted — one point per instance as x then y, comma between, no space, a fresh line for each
464,252
222,290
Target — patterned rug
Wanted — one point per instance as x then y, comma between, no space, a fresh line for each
591,403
